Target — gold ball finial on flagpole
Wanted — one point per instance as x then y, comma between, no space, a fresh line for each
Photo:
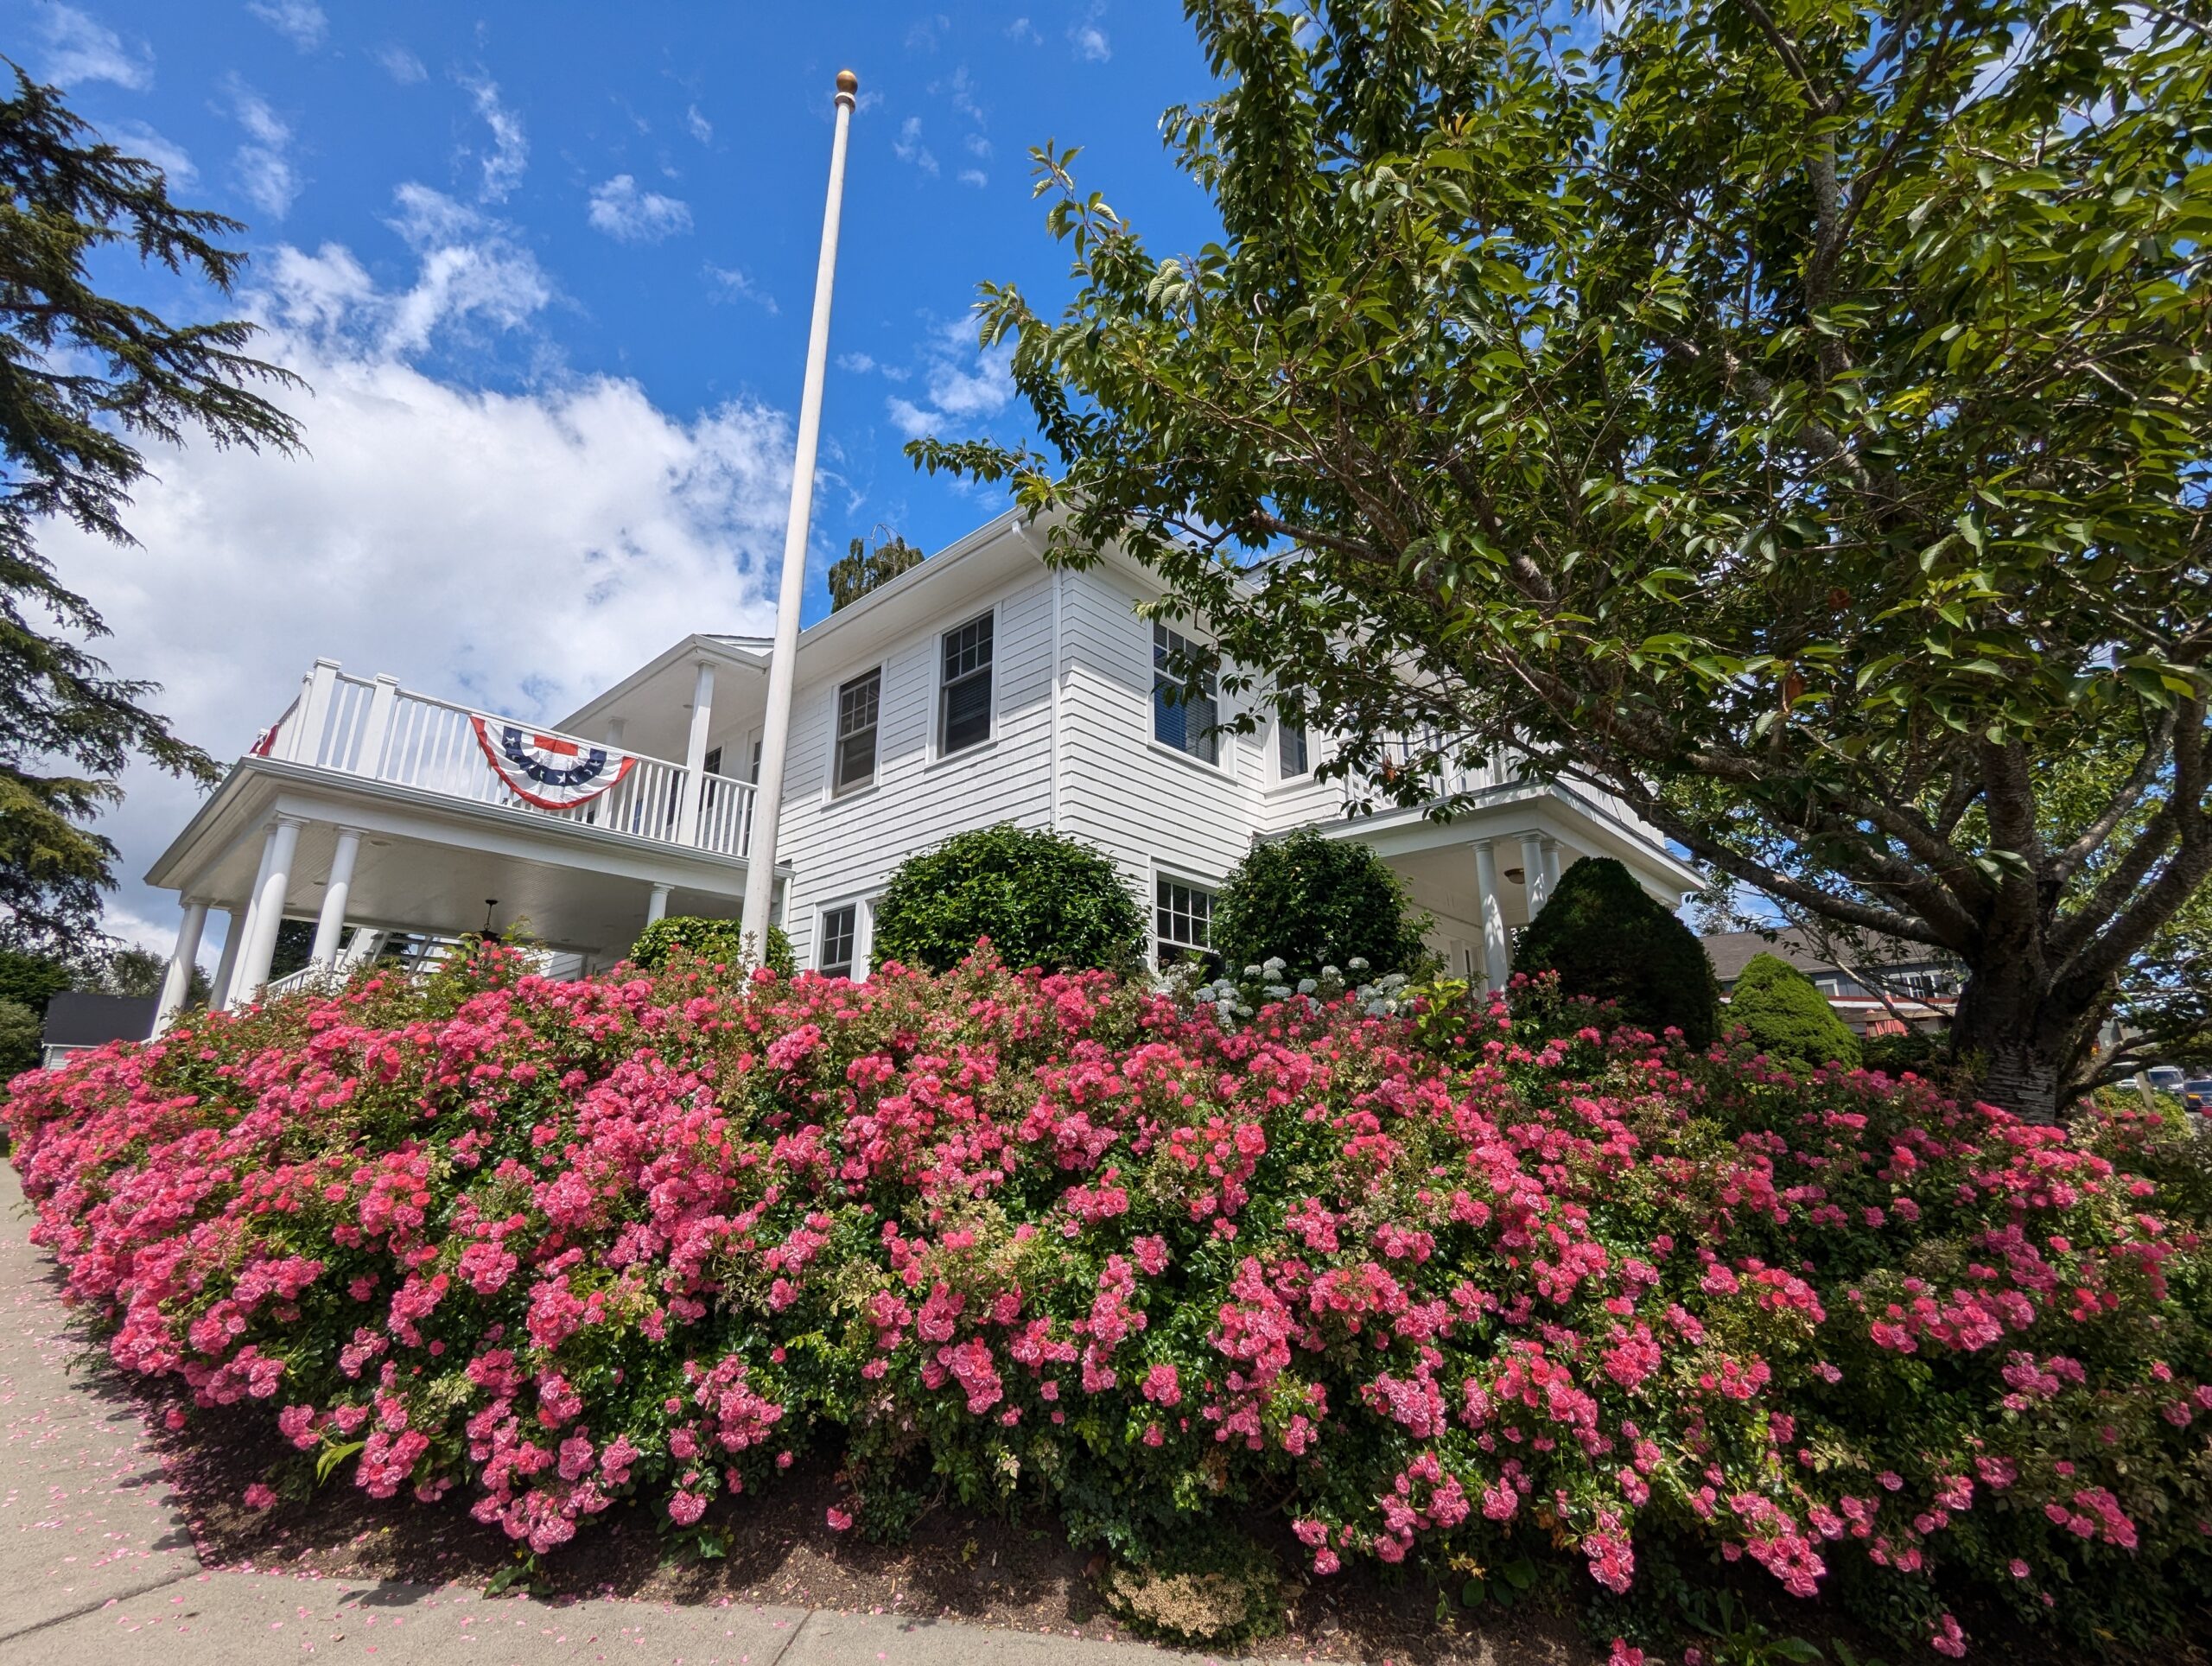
848,84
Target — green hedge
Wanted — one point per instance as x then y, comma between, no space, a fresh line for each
1316,902
1788,1018
1042,899
1607,940
712,940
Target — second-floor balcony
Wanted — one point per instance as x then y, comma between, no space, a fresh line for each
376,730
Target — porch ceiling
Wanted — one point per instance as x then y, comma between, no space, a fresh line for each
417,885
1441,881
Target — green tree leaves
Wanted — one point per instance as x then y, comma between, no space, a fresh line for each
1791,419
83,379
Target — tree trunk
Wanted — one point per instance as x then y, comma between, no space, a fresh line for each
2025,1036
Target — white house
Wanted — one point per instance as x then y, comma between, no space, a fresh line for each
981,686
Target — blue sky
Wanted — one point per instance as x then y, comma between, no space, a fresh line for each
665,170
548,270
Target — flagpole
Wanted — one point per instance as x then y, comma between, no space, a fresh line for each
775,732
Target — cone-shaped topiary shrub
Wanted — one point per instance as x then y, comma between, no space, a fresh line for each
1042,899
1788,1018
1316,902
1607,940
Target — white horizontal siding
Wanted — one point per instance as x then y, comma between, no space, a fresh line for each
846,848
1148,807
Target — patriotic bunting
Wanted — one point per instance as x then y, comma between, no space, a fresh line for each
547,771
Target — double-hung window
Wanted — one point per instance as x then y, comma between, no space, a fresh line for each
1183,922
860,704
963,703
1183,712
840,931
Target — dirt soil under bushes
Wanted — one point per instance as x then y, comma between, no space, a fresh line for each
956,1565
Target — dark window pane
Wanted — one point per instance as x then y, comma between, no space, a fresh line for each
1290,748
967,712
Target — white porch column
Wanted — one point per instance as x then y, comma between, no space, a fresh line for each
656,906
226,963
268,907
1496,959
695,755
1551,867
616,729
1532,872
227,986
178,984
330,924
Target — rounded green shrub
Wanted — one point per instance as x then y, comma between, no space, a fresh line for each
1316,902
1042,899
1607,940
711,940
1790,1020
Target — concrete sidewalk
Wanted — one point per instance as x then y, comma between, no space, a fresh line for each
97,1563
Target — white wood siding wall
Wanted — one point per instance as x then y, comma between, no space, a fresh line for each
1150,807
843,849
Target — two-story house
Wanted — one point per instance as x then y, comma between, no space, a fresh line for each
980,686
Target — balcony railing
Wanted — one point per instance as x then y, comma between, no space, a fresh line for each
381,732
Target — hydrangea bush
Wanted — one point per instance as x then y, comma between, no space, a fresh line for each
1441,1291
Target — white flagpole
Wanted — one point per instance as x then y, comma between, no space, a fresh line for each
775,732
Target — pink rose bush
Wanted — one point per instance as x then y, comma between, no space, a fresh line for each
1435,1286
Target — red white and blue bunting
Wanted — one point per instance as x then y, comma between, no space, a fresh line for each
547,771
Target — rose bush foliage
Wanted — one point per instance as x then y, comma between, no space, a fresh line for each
1433,1287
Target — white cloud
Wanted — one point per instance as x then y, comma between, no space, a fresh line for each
630,215
908,146
136,139
264,166
975,176
961,92
963,383
79,48
300,21
1022,29
471,278
922,34
1091,43
402,542
403,66
858,363
977,145
509,157
702,128
734,283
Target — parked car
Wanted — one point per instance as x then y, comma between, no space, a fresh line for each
2197,1095
2166,1078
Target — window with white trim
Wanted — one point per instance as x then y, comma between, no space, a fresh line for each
860,704
1183,712
839,933
1183,922
963,704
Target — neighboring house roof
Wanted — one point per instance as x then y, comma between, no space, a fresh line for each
1731,951
77,1019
